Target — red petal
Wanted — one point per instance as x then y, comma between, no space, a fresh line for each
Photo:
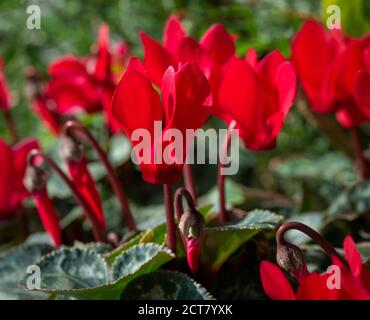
156,59
218,44
173,34
350,115
48,216
189,50
192,253
310,63
238,98
314,287
74,93
4,90
353,256
86,185
186,97
136,104
6,180
251,57
362,91
48,117
274,282
102,67
20,154
67,65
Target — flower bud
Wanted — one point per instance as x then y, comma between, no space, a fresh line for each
35,178
290,258
191,225
71,150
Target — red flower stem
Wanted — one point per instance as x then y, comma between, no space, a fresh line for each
98,233
325,245
362,163
189,181
10,124
170,217
121,196
182,192
221,177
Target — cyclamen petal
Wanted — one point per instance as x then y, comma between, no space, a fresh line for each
4,90
193,247
86,185
48,215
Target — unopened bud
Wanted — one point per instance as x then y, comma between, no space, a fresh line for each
290,258
191,225
71,150
35,178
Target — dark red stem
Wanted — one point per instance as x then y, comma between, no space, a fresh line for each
117,188
98,233
170,217
325,245
221,177
189,181
362,163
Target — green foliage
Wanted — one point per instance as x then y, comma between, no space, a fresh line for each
165,285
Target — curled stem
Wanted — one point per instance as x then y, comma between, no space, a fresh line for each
189,181
77,128
182,192
220,177
170,217
324,244
98,234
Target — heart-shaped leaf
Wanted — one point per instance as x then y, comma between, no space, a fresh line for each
220,243
165,285
70,269
13,266
81,272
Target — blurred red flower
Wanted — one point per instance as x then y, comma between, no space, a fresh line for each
328,75
13,166
4,90
354,280
85,84
184,103
258,96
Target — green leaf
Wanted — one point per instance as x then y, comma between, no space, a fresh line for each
69,269
120,150
98,247
84,273
13,266
156,235
165,285
355,199
331,167
220,243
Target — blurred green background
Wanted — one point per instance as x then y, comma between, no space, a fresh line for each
306,153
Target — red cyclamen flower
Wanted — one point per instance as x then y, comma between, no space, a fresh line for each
214,49
48,215
328,76
184,104
78,170
258,96
13,166
4,90
354,281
